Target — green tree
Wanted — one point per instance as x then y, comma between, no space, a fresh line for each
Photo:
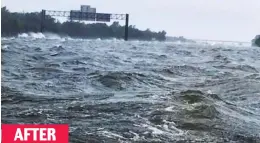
14,23
256,41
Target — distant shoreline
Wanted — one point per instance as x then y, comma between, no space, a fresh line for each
14,23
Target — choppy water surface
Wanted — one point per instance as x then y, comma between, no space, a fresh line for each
117,91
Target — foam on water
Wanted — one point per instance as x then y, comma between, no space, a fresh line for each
110,134
4,47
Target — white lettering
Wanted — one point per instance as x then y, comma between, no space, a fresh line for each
43,134
34,133
18,135
26,134
51,134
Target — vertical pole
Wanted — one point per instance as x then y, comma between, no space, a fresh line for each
126,26
42,19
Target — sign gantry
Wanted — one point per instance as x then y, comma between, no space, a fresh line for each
86,16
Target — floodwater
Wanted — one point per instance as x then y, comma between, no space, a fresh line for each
117,91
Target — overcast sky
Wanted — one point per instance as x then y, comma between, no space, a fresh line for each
198,19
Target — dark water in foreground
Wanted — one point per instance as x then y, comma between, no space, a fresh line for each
116,91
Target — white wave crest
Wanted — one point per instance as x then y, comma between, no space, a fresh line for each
7,38
23,35
31,35
36,35
46,35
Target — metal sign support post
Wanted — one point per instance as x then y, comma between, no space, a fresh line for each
42,19
126,26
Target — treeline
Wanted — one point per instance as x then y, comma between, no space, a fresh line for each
14,23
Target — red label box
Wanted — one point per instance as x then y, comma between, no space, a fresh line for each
35,133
